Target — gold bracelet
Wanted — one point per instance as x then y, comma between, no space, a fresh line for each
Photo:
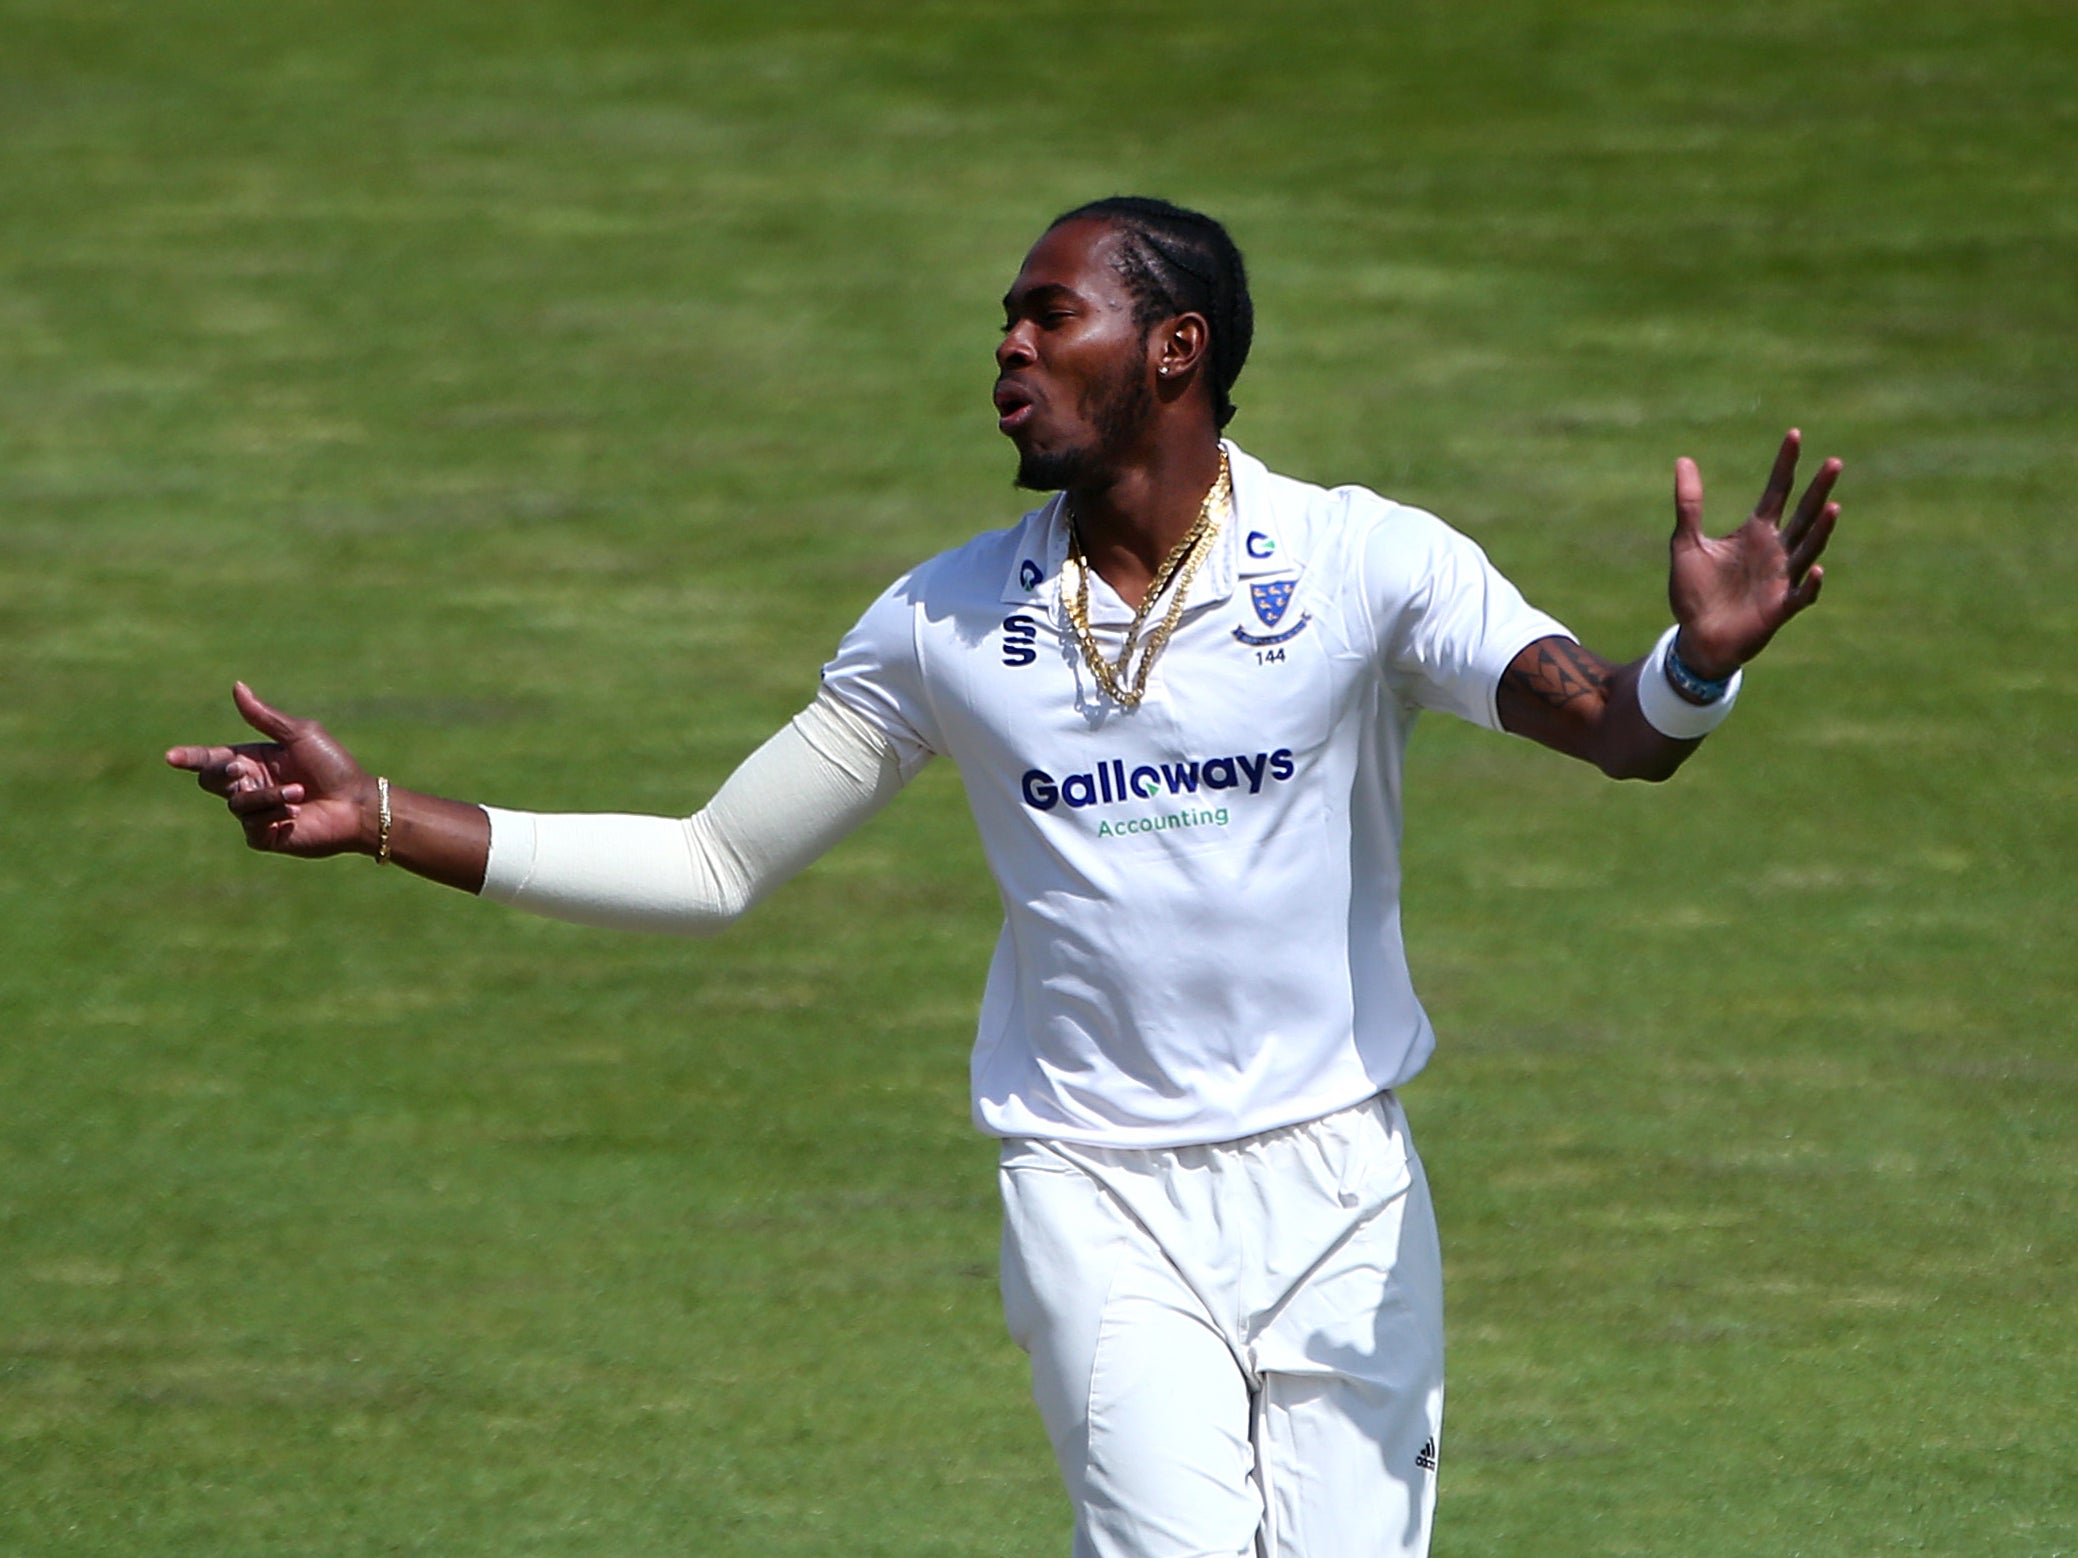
382,837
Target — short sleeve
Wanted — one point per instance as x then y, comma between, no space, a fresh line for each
1448,621
877,673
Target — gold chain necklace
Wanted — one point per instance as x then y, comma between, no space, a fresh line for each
1178,568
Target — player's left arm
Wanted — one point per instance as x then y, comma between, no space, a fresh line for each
1730,595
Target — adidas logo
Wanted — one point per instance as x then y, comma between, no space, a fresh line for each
1426,1460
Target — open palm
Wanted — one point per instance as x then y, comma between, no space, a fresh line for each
1731,594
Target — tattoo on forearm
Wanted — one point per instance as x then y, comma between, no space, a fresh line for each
1563,673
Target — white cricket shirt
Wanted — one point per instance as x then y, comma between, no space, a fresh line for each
1201,920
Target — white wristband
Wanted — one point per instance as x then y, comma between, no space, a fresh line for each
1666,711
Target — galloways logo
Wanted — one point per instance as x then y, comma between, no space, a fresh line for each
1111,783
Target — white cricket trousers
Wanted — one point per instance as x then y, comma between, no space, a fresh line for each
1237,1348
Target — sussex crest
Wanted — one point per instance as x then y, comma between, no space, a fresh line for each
1272,599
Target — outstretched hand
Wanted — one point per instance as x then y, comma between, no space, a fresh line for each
298,793
1732,594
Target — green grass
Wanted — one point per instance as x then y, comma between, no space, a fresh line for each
535,391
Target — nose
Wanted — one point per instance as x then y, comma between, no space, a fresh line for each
1015,349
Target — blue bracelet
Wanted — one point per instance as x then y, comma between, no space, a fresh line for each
1696,689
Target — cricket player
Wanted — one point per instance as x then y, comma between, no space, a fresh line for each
1178,693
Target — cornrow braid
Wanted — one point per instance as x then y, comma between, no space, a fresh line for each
1176,261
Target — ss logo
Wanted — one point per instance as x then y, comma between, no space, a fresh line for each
1020,633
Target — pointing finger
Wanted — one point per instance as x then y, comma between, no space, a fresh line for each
219,769
199,757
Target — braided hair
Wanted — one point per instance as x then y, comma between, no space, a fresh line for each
1174,262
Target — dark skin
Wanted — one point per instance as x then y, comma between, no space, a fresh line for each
301,793
1119,413
1070,337
1730,594
1070,342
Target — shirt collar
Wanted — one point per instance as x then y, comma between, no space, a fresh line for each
1246,543
1039,555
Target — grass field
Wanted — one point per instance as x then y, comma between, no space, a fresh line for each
534,392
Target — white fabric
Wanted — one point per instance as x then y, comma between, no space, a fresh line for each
1234,1344
1201,895
825,773
1666,711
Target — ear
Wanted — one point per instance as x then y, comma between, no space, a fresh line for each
1179,346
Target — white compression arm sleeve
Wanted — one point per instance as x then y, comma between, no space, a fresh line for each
797,795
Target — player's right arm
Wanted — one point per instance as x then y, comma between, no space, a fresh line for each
302,793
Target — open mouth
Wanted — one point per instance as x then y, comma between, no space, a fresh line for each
1014,408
